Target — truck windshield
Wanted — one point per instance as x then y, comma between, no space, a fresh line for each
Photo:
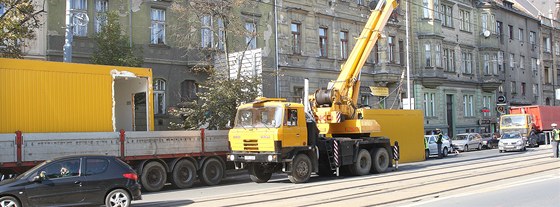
510,121
262,117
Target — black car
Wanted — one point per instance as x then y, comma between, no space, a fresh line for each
73,181
490,140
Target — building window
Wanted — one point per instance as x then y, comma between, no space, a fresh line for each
465,20
532,38
79,6
522,88
344,44
376,53
221,34
206,31
547,76
510,31
521,61
426,8
449,60
401,52
158,26
486,58
428,54
521,34
492,26
500,59
296,38
391,49
361,2
159,96
323,42
536,90
511,60
364,99
486,104
499,31
435,9
513,87
547,45
445,59
438,55
189,88
467,62
251,37
101,7
534,65
556,48
484,21
495,64
447,16
468,107
429,104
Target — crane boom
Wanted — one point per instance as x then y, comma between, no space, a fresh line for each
338,103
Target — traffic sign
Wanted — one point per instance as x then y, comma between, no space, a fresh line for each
502,99
501,109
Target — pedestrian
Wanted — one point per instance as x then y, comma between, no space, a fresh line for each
439,142
555,139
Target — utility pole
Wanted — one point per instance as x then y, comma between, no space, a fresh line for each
410,106
68,34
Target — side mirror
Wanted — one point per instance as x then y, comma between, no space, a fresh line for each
36,179
39,178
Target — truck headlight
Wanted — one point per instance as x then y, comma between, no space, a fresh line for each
270,157
232,157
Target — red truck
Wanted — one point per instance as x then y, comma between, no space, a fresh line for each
530,121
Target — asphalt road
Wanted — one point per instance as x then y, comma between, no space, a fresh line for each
477,178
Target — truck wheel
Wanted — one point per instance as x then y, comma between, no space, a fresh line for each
153,176
258,173
380,160
362,166
301,169
9,201
184,174
212,172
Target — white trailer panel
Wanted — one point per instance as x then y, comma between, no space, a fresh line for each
162,142
8,148
216,141
44,146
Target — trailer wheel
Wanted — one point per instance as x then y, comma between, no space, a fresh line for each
301,169
212,172
184,174
258,173
153,176
380,160
362,165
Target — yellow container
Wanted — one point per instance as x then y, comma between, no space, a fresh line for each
404,126
42,96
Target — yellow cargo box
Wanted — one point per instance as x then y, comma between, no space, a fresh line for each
43,96
404,126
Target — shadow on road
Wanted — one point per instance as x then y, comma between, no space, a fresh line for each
172,203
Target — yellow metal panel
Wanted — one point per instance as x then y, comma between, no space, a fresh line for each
404,126
42,96
354,126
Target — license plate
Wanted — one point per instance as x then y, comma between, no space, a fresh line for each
249,157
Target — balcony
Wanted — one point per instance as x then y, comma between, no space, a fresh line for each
490,83
432,78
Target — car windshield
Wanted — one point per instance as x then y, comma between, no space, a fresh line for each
261,117
26,173
511,136
460,137
509,121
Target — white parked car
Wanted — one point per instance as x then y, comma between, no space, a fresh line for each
432,146
465,142
512,141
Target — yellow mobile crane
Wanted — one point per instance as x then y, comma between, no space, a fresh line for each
325,133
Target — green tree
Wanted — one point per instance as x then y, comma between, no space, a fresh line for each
112,47
220,94
18,21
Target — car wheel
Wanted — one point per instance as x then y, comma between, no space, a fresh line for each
466,148
184,174
362,166
9,201
153,176
500,151
258,173
301,169
117,198
427,152
479,147
212,172
445,152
